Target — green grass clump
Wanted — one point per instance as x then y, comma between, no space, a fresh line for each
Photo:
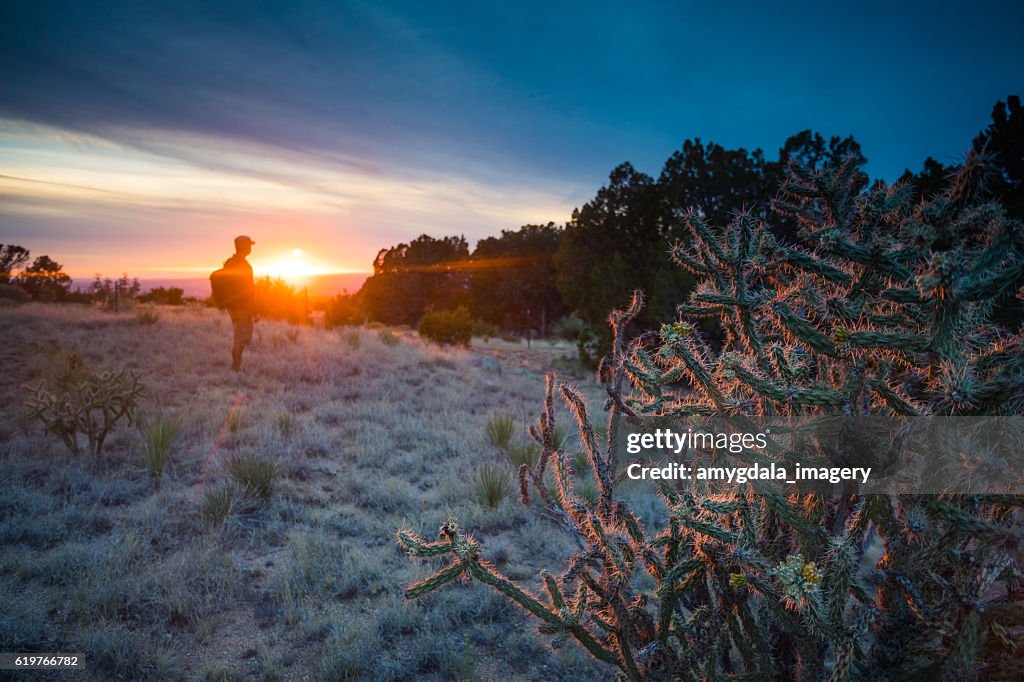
217,505
388,338
580,462
499,429
460,661
523,453
492,485
353,339
285,424
147,316
588,493
158,437
254,473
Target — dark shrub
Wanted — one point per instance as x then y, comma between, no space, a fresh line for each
163,296
344,310
10,292
447,327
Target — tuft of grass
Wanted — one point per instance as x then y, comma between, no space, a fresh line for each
215,672
147,316
460,663
492,485
523,453
588,493
353,339
270,663
561,436
254,473
285,423
217,505
113,648
22,632
499,429
387,337
580,462
345,655
158,437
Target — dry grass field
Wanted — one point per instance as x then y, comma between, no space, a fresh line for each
193,575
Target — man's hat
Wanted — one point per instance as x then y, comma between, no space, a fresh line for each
243,239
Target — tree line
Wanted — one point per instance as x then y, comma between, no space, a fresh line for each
618,241
44,280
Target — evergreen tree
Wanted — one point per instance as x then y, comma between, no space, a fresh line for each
512,279
45,280
410,278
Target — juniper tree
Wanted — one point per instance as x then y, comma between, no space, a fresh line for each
882,309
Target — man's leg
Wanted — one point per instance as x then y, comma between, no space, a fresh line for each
242,322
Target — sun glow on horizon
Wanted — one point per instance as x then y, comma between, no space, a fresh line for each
294,268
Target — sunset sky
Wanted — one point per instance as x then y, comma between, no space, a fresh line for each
142,137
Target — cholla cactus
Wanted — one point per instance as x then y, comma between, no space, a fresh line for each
90,407
884,311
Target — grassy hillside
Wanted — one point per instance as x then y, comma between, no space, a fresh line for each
188,575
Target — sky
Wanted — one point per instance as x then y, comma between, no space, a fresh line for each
142,137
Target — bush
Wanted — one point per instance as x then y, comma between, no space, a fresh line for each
885,313
388,338
447,327
90,406
588,344
568,328
278,300
484,330
344,310
163,296
353,339
11,292
147,316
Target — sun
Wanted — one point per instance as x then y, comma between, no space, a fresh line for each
294,268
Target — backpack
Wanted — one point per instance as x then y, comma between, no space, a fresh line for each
225,286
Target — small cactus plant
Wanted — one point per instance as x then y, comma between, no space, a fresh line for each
884,310
87,406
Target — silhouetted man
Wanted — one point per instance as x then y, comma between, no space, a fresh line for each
242,304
